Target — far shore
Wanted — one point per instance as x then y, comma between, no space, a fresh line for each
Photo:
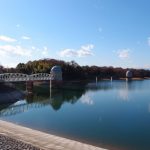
123,79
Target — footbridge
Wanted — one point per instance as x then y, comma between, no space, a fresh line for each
55,74
17,77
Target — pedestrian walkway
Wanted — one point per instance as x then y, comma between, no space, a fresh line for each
41,140
7,143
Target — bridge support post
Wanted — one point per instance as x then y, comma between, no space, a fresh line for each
29,86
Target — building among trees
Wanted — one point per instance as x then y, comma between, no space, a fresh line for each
129,74
56,73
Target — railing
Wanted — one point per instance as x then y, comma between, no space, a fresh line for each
16,77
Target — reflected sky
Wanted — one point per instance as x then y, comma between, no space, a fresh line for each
87,99
124,92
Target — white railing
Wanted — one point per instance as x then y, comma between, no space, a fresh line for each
16,77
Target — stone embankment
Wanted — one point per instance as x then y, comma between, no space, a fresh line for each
39,139
7,143
9,94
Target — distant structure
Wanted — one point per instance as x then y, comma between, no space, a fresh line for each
56,73
129,75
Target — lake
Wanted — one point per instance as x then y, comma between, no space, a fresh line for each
114,115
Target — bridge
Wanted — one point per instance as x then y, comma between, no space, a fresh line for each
55,74
17,77
29,79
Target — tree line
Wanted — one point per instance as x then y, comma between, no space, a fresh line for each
73,71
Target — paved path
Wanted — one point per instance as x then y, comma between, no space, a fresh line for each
41,140
7,143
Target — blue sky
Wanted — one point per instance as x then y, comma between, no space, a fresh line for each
91,32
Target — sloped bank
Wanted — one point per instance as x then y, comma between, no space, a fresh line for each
9,94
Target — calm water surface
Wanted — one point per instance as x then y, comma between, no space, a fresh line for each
114,115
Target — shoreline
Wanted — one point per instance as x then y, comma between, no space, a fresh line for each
43,140
9,94
7,142
80,140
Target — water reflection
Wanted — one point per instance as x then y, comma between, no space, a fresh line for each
40,98
124,92
8,94
87,99
99,114
62,96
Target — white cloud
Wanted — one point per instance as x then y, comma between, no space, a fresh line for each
3,53
33,47
146,67
16,50
25,37
7,39
45,51
124,53
11,55
85,50
68,53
